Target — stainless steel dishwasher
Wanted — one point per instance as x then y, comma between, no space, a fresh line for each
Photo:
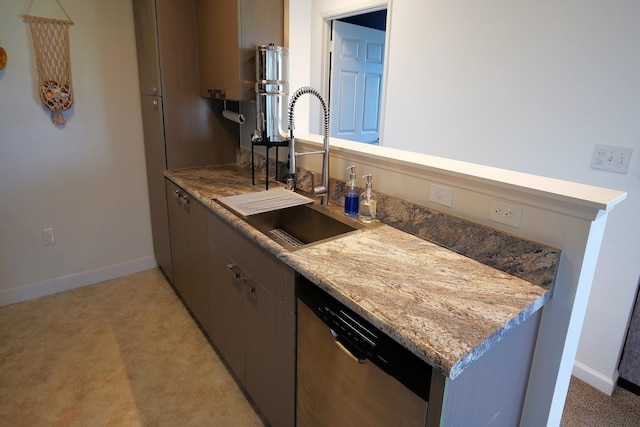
351,374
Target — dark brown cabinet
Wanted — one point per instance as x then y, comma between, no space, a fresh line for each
228,32
144,13
228,319
189,252
181,129
176,208
243,297
168,66
253,322
152,120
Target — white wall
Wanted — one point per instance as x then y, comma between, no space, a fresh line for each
87,179
530,86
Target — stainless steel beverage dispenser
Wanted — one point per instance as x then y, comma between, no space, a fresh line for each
272,93
272,98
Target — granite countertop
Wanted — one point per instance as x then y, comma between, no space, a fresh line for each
446,308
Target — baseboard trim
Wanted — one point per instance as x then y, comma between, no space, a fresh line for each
629,386
73,281
594,378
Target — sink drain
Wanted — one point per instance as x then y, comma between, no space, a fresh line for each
286,237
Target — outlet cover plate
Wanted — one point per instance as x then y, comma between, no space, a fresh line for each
505,213
441,195
48,236
610,158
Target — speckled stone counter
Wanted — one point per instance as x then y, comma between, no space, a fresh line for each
445,307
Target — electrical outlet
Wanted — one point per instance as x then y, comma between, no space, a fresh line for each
49,238
610,158
505,213
441,195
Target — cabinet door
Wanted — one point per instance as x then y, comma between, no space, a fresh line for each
269,357
261,22
178,238
190,126
156,164
254,318
229,66
228,320
198,296
219,64
273,275
189,254
144,15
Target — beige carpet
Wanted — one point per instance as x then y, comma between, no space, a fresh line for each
126,353
588,407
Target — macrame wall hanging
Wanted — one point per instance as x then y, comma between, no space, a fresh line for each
53,61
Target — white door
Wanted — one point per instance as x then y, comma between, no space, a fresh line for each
356,82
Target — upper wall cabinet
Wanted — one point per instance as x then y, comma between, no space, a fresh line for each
228,33
144,12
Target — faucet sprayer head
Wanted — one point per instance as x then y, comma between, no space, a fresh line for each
324,188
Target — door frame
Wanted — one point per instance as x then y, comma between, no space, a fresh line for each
329,16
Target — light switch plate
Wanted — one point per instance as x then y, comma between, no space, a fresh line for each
610,158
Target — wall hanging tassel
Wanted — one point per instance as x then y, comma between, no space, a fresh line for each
53,62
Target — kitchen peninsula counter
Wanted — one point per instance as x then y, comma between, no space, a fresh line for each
446,308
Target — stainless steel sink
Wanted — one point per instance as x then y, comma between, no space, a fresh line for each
300,226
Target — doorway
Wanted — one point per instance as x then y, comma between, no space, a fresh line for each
356,64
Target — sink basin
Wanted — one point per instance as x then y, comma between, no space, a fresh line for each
300,226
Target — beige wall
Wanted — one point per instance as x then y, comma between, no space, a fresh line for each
87,179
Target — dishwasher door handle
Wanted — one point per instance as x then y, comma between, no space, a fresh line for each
345,350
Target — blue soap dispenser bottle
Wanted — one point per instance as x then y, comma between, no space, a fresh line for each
351,196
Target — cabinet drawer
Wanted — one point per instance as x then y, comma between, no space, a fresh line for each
275,277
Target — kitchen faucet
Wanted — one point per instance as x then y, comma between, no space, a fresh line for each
322,190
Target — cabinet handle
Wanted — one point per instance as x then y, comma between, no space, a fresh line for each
235,270
238,275
249,284
182,197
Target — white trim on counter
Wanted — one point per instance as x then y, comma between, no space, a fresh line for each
565,197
